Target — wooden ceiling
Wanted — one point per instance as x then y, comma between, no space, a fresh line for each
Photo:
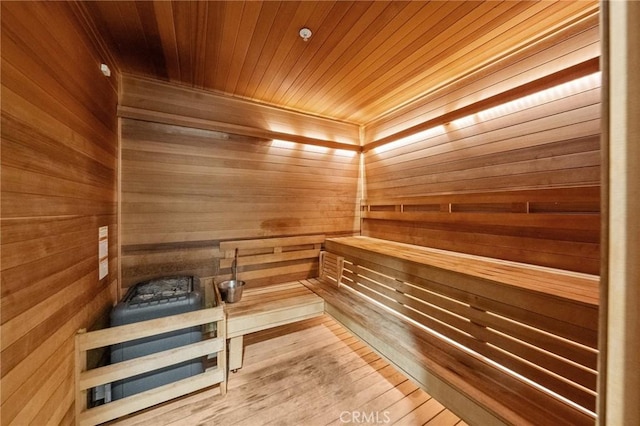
364,60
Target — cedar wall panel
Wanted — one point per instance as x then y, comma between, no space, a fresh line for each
174,104
59,162
550,140
184,190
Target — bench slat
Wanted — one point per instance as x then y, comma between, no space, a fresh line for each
271,242
271,290
268,319
271,260
261,259
261,305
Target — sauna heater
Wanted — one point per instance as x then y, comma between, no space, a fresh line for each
153,299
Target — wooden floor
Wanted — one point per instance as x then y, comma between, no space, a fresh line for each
310,373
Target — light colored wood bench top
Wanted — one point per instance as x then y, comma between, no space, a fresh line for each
267,307
270,306
565,284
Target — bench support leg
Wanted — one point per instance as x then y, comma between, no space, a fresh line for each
235,353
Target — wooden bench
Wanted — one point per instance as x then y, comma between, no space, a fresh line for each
270,305
266,307
496,342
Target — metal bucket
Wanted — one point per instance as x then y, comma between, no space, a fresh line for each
231,290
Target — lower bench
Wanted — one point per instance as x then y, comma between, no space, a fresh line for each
266,307
276,262
495,342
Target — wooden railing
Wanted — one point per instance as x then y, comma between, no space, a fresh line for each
87,379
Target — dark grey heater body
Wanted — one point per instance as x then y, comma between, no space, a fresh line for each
150,300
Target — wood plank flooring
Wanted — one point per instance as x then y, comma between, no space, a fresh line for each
310,373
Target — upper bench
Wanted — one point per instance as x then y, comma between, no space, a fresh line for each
518,339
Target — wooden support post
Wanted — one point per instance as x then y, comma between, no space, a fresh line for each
80,367
221,329
321,272
482,327
339,267
235,353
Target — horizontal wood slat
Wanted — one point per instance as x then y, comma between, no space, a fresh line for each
536,322
308,308
271,257
229,246
130,368
125,333
556,196
539,220
151,397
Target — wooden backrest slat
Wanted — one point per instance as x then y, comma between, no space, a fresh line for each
271,260
587,194
261,259
567,221
555,227
226,246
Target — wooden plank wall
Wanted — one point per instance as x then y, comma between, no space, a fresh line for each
59,169
184,190
551,140
174,104
573,46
